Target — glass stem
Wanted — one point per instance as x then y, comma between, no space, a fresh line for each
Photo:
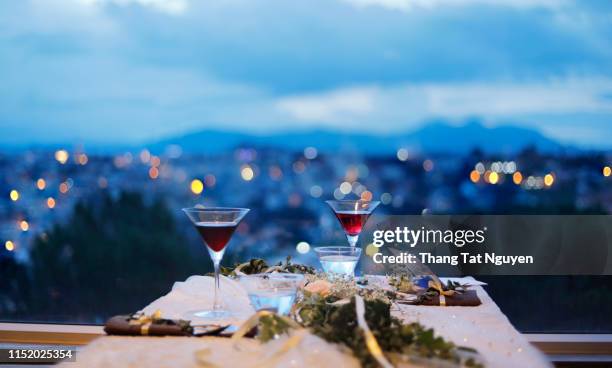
217,304
352,239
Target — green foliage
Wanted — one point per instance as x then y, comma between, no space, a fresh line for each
272,326
257,265
110,257
337,323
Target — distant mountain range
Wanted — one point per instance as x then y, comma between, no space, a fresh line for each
431,137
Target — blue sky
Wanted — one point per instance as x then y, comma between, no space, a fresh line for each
126,71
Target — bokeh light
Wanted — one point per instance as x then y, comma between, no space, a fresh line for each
61,156
50,202
371,250
517,178
145,156
428,165
197,187
493,178
41,184
24,226
63,188
302,247
210,180
310,153
386,198
247,173
345,187
14,195
9,245
549,179
153,172
83,159
366,196
607,171
402,154
474,176
316,191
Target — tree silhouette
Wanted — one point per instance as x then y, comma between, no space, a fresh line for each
112,256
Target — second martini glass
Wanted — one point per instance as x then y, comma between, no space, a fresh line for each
216,226
353,215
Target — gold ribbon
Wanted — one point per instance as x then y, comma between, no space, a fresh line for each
437,285
370,340
145,321
292,342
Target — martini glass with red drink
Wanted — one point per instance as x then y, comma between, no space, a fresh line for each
353,215
216,226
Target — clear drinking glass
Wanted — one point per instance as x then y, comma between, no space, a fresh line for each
338,261
353,215
216,225
272,291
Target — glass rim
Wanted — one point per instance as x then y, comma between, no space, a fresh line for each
350,201
283,275
215,209
336,249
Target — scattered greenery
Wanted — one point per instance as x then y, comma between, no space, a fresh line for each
257,265
332,316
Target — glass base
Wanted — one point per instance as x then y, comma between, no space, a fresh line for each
209,315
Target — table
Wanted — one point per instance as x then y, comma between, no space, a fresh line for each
484,328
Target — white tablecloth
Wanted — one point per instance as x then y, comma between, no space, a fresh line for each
484,328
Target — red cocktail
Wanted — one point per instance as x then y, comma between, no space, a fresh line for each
216,226
353,215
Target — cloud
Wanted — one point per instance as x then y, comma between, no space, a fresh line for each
339,106
392,108
172,7
408,5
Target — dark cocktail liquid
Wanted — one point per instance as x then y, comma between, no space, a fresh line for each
352,221
216,235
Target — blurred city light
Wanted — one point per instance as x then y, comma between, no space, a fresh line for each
63,188
9,245
197,186
24,226
371,250
316,191
480,168
275,172
302,247
345,187
474,176
50,202
299,167
153,172
310,153
386,198
61,156
41,184
145,156
402,154
246,172
549,179
155,161
210,180
428,165
366,196
14,195
517,178
607,171
493,177
82,159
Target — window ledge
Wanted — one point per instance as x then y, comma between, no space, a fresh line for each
574,348
41,333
